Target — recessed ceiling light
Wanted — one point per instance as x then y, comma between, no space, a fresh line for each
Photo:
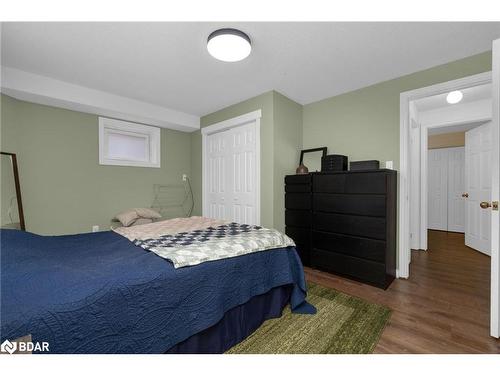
454,97
229,45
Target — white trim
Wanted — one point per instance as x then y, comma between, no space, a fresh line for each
468,112
151,134
232,122
246,118
48,91
403,269
495,251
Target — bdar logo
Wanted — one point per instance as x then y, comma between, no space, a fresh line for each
8,347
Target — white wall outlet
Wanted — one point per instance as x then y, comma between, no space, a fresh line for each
95,228
184,177
389,164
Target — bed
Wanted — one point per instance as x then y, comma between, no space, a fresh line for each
101,293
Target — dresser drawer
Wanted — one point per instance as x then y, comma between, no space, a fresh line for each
367,205
364,248
351,183
298,179
298,188
297,201
299,235
298,218
359,269
302,239
363,226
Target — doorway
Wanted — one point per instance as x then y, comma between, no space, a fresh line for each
413,166
458,180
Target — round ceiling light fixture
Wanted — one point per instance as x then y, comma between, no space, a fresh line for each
454,97
229,45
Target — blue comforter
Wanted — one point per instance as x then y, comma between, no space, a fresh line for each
99,293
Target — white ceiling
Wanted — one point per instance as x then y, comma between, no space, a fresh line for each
471,94
167,64
455,128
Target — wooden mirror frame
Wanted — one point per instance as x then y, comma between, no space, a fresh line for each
18,188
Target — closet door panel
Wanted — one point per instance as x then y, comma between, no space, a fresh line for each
217,175
437,189
456,186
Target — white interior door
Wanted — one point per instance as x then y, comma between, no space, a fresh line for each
456,186
437,169
216,163
231,173
495,183
242,177
478,186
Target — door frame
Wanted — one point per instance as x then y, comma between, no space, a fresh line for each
495,171
404,249
247,118
424,161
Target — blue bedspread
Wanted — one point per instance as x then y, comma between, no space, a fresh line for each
99,293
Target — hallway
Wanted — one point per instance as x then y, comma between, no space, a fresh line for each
442,308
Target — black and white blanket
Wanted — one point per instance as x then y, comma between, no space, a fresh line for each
188,248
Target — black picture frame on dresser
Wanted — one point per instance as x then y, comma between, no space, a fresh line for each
345,222
323,151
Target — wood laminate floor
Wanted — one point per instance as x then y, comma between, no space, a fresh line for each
442,308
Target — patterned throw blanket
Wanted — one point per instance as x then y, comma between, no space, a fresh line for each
194,240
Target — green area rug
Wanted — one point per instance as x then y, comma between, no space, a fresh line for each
343,324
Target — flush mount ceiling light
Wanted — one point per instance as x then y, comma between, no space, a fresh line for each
229,45
454,97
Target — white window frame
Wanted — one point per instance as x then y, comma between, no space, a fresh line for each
152,135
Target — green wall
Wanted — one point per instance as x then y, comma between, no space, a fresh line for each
64,188
287,146
364,124
281,138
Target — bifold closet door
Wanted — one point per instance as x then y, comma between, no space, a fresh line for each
446,184
242,178
217,160
437,188
232,175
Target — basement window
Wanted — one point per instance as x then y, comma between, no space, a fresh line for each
128,144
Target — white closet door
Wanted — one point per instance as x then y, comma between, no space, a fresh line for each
456,187
231,162
217,156
437,185
242,175
478,179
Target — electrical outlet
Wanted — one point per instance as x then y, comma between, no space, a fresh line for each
184,177
389,164
95,228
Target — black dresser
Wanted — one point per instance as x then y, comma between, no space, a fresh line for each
345,222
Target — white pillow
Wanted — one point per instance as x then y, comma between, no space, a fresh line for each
127,217
147,213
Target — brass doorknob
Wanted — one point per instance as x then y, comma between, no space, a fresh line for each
465,195
485,204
